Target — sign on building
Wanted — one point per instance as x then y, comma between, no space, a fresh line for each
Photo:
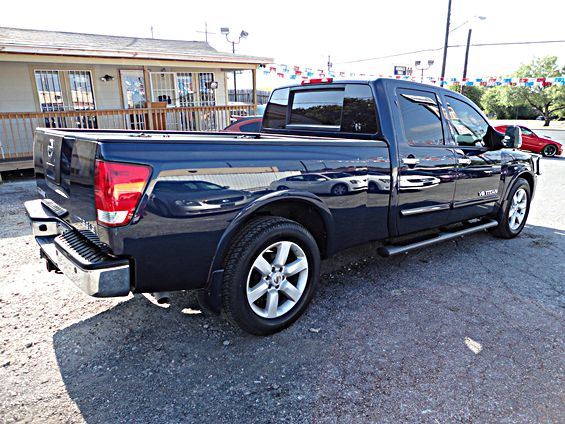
402,70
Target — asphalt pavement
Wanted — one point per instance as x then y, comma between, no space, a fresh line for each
466,331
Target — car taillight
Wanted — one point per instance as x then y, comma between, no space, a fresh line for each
117,190
316,81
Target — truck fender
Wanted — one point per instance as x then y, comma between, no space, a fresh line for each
215,274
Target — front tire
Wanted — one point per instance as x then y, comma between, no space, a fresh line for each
339,189
271,273
549,151
514,212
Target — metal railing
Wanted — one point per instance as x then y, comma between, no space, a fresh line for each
17,128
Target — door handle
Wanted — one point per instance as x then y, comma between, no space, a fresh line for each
410,161
464,161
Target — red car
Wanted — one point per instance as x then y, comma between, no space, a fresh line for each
535,143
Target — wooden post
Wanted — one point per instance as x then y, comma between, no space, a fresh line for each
254,77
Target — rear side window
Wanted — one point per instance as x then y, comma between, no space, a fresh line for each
359,110
275,113
350,108
421,118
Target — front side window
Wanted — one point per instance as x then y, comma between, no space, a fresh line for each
527,131
420,117
467,126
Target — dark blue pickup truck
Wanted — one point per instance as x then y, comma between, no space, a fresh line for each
245,219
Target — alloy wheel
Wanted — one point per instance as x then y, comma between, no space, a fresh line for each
277,279
518,209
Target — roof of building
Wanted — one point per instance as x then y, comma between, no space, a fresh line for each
17,40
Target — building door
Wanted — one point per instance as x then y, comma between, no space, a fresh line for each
427,167
135,97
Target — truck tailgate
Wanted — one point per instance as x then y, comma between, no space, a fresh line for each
64,172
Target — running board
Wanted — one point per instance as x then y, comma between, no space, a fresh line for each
387,251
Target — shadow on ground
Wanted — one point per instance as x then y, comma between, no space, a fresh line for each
383,341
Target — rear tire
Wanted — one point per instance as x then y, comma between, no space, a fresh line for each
514,211
271,273
549,151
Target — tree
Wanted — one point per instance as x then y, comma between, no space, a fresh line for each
546,99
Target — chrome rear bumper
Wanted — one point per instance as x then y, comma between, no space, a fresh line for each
77,255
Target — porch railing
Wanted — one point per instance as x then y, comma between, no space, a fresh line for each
17,128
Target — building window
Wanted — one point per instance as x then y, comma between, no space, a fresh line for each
49,91
64,90
82,95
185,89
177,89
207,94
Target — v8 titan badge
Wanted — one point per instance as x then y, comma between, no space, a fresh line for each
487,193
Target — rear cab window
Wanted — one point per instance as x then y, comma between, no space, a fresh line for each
341,108
421,118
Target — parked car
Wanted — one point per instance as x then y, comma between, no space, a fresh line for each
334,183
536,143
182,198
258,260
245,124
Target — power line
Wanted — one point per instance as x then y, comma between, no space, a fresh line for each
511,43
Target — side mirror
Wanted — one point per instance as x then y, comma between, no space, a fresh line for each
513,137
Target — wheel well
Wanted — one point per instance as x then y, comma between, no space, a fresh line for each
528,177
303,213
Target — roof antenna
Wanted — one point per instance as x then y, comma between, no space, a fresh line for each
152,32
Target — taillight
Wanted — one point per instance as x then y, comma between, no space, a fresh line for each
117,190
316,81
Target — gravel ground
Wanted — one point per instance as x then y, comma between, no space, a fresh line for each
466,331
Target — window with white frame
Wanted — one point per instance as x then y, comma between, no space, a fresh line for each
49,91
185,89
178,88
82,95
207,94
64,90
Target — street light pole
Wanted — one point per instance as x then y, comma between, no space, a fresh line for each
242,34
418,65
234,73
446,41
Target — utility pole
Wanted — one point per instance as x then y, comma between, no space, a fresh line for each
152,31
330,64
446,41
466,58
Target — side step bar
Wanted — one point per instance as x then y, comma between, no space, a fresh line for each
387,251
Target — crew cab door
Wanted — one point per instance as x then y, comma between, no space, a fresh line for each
478,167
427,167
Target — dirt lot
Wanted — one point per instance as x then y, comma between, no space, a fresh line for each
385,340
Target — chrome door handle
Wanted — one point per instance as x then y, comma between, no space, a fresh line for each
464,161
410,161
